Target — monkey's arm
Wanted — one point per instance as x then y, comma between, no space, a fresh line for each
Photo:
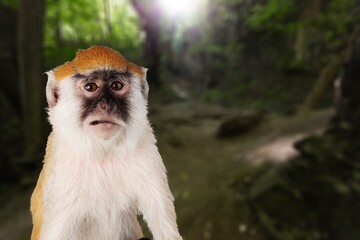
37,198
36,207
156,203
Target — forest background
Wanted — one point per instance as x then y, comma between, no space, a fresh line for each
255,104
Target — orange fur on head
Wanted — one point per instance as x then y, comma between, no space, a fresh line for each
96,57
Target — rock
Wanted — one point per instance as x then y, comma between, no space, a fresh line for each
239,124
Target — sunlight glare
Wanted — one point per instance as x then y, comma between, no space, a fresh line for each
179,8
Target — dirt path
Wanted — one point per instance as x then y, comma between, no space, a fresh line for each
202,169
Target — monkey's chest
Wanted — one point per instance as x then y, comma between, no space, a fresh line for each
97,199
97,183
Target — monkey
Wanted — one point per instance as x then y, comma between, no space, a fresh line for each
102,167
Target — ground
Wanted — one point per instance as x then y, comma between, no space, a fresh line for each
203,170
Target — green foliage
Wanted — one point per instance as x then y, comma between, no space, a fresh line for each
334,20
10,3
70,25
336,23
274,15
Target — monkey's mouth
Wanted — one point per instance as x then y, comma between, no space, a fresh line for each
103,127
97,122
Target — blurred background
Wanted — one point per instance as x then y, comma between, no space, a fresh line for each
255,104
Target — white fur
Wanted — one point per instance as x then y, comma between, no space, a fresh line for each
96,187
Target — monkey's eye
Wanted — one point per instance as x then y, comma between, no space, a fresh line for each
91,87
116,85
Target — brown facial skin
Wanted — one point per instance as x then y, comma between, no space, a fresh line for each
105,105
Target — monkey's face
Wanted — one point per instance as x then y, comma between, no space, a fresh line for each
105,104
101,103
98,95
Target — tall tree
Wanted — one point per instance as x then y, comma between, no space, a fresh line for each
30,57
8,66
107,14
149,13
57,16
328,75
310,12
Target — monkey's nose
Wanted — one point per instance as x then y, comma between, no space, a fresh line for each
103,103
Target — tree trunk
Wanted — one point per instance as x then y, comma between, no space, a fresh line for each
58,31
30,57
149,16
8,58
348,109
328,75
324,83
311,12
107,13
300,47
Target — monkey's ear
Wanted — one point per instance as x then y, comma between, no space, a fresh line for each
144,84
52,95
